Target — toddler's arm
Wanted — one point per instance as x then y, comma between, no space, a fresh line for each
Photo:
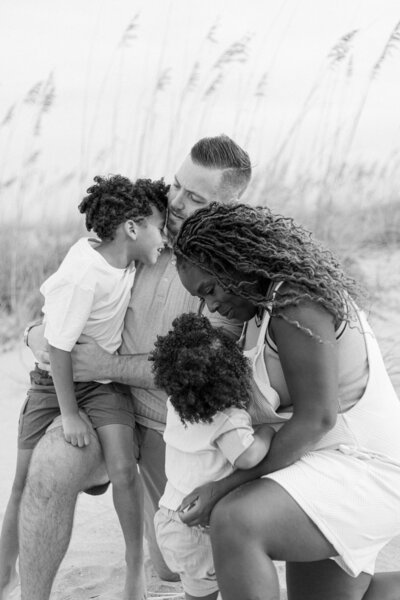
255,453
76,430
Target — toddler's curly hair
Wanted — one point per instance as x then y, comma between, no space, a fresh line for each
202,370
116,199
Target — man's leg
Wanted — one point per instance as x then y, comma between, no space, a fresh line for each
58,472
152,468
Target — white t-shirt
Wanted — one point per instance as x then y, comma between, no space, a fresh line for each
201,452
86,295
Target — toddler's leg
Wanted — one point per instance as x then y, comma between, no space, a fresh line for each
118,449
9,533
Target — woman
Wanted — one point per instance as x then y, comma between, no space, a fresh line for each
330,496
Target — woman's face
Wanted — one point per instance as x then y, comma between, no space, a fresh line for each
203,285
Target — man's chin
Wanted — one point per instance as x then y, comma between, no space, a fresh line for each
173,227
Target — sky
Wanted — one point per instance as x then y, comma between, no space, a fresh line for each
129,85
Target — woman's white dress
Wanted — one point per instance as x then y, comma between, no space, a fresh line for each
349,485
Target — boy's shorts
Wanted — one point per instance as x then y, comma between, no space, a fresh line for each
187,551
104,403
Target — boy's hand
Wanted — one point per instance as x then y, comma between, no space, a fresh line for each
76,430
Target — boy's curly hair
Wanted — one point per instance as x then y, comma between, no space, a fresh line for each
202,370
116,199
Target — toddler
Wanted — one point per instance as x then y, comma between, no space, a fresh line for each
89,294
208,434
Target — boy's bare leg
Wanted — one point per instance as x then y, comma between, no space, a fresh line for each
58,472
9,531
119,453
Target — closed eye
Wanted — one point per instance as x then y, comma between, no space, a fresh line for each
194,198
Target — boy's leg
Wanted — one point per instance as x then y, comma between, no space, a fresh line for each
118,448
9,531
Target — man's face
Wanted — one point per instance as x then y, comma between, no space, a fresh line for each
194,187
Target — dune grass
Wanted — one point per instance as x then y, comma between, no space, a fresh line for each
350,205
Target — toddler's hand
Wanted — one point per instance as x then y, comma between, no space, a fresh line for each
76,430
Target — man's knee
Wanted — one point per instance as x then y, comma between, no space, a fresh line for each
59,467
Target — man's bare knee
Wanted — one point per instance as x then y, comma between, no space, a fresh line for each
57,466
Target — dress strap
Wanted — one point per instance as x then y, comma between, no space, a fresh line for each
274,287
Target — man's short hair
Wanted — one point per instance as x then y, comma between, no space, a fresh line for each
221,152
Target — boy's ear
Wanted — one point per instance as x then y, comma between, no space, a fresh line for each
131,228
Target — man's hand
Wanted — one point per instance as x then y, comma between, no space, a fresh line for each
89,360
76,430
196,507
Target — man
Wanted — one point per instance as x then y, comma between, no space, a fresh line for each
216,169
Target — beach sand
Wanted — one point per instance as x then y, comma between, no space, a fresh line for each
93,566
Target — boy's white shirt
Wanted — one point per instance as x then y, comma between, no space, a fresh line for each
202,452
86,295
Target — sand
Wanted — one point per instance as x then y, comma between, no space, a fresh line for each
93,566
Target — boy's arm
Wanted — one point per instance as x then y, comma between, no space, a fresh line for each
257,450
76,431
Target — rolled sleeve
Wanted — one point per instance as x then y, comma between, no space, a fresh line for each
235,435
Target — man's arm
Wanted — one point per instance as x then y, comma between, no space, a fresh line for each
90,362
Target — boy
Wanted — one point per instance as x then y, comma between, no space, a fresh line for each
89,294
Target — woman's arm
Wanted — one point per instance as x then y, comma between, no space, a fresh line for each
309,359
76,430
310,366
257,450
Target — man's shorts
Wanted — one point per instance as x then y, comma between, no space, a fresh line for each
104,403
187,551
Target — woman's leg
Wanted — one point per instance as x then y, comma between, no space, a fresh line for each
326,574
9,547
212,596
118,449
256,524
384,586
324,579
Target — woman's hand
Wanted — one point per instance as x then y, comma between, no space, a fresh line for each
196,507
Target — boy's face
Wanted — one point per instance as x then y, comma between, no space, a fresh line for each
150,237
